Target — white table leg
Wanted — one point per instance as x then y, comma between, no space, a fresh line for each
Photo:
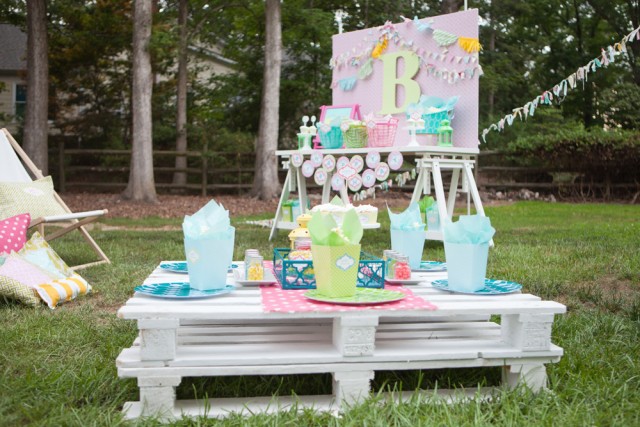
355,336
453,191
440,199
158,338
532,376
351,387
158,396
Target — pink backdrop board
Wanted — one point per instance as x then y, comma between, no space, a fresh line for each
444,71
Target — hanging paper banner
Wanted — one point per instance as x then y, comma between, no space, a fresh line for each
395,160
297,159
337,182
320,176
357,163
373,158
316,159
329,162
308,169
382,171
342,162
355,183
368,178
561,89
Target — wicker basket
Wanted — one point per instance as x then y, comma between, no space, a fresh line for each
331,139
355,137
383,134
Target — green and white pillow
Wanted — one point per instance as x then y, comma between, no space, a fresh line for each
36,198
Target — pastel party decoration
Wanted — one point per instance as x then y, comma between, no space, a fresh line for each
320,176
357,163
342,162
337,182
347,172
355,183
395,160
470,44
373,158
316,159
308,168
329,162
561,89
382,171
414,63
368,178
297,159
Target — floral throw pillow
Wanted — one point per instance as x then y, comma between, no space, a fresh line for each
38,252
13,233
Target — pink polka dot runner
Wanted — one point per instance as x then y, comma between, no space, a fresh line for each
277,300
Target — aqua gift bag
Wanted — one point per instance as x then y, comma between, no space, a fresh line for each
433,218
336,269
467,265
208,261
409,243
208,245
466,249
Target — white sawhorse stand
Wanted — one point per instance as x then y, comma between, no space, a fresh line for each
429,166
434,160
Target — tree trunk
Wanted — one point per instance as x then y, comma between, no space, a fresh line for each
181,107
141,186
450,6
265,182
35,122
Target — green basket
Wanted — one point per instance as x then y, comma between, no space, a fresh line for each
299,274
355,137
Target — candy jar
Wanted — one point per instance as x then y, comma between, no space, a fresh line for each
255,269
301,232
402,271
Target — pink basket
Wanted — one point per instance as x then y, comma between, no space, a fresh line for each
383,134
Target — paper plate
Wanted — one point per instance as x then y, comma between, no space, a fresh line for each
404,282
372,159
320,176
179,290
307,169
316,159
342,162
329,162
363,296
368,178
181,267
491,287
337,182
431,266
395,160
175,267
269,278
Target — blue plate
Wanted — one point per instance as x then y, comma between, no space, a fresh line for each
491,287
431,266
179,290
181,267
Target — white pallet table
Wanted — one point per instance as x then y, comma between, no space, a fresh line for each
231,335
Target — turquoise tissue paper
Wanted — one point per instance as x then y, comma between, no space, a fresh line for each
473,229
409,220
210,222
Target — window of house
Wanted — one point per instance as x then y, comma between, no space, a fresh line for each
20,102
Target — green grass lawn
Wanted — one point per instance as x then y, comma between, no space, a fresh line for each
58,367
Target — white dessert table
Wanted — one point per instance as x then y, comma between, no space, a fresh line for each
232,335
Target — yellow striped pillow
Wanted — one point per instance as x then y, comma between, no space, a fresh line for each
62,290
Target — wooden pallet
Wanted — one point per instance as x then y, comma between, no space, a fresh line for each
231,335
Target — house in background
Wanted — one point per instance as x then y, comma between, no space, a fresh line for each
13,71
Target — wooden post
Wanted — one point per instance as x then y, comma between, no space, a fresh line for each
62,183
205,164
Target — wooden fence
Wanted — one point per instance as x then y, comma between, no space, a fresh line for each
213,171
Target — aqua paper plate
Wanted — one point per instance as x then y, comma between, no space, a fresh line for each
175,267
363,296
491,287
181,267
431,266
179,290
